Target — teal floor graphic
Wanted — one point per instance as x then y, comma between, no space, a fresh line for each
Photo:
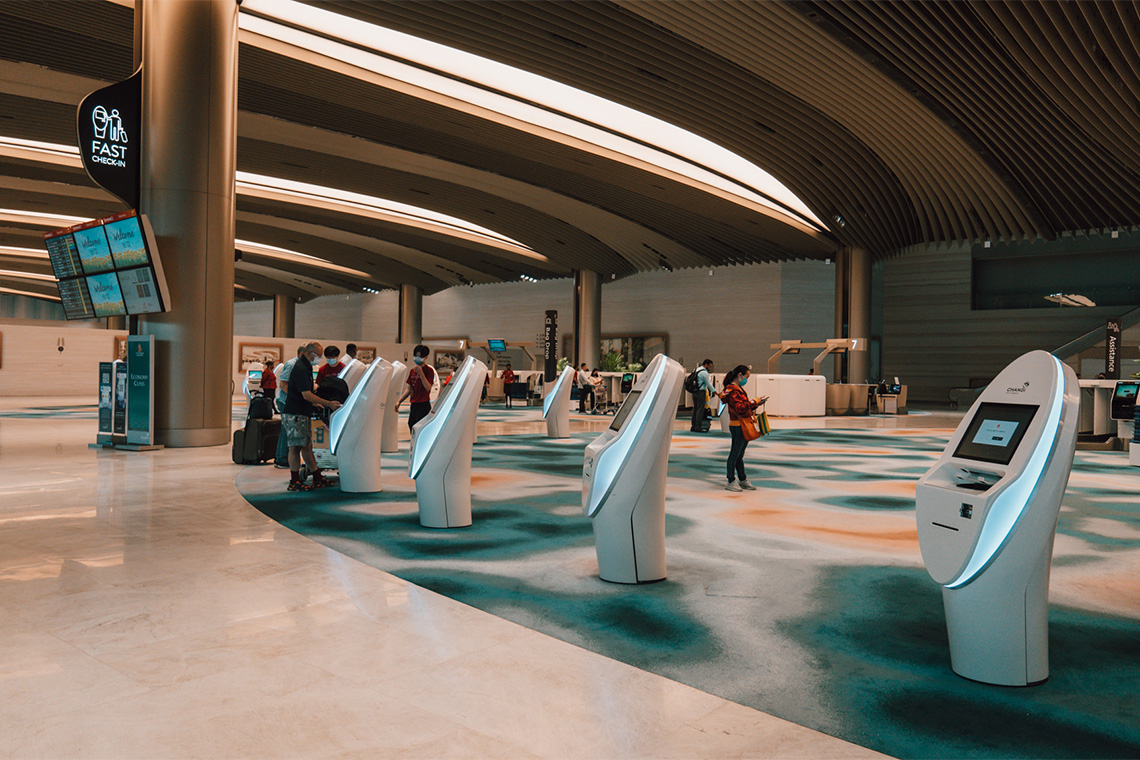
806,599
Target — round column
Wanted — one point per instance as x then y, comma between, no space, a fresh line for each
587,318
411,327
284,316
859,316
188,147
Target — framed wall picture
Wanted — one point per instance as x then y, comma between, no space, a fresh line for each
365,354
258,353
121,347
448,361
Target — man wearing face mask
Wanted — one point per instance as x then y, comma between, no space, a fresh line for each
420,381
296,419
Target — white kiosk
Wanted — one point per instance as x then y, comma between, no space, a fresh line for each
556,405
354,430
441,450
623,479
352,373
390,434
987,514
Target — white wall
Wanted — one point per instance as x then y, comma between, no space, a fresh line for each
31,363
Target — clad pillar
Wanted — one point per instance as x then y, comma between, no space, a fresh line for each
841,259
188,147
859,314
284,316
411,326
587,318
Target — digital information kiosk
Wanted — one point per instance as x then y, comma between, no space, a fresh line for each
352,373
623,478
390,434
355,429
556,405
441,450
987,514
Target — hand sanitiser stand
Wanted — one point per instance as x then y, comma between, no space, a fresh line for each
987,514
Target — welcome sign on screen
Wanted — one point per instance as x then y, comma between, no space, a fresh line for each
127,245
105,295
93,250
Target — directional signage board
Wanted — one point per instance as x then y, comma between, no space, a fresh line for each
108,126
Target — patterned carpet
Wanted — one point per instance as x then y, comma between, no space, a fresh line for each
806,599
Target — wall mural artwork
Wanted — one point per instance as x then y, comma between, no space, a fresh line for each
258,353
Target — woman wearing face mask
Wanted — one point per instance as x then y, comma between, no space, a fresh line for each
739,407
420,380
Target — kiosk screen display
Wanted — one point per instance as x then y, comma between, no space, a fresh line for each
1124,400
106,296
995,431
127,246
75,299
626,408
498,346
94,251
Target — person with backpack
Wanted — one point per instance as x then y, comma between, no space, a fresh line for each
700,385
739,407
296,421
332,366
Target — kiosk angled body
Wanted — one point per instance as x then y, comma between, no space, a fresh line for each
623,479
354,430
352,373
390,430
556,405
440,461
987,515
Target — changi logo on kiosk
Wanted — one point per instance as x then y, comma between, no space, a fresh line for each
1021,389
110,143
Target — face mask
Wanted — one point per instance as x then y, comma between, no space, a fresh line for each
314,358
418,360
331,362
743,381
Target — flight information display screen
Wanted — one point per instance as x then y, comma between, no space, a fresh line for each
498,346
64,256
75,299
108,267
995,432
106,296
626,408
94,251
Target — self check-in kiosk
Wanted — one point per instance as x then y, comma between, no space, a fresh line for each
355,429
390,433
987,514
352,373
623,479
556,405
441,450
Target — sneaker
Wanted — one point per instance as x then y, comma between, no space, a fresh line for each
299,485
733,486
320,481
747,486
281,466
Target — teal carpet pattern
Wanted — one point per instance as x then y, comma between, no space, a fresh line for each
806,599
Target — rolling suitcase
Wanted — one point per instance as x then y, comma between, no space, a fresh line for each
257,443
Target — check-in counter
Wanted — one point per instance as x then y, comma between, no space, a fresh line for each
791,395
1096,407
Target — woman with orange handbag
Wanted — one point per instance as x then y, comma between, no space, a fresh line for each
741,414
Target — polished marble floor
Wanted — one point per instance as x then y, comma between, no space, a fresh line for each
148,611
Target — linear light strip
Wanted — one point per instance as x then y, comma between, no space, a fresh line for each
564,109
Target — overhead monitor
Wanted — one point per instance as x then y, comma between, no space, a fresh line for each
1124,399
108,267
497,346
626,408
995,431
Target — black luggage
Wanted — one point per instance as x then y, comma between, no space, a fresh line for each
256,443
333,389
260,408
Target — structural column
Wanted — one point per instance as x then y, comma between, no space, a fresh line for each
411,325
841,266
284,316
188,147
587,318
859,315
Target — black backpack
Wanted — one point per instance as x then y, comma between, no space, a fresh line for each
333,389
691,381
260,408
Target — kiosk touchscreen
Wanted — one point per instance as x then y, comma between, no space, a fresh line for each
623,478
390,432
1124,400
352,373
355,429
440,462
556,405
987,514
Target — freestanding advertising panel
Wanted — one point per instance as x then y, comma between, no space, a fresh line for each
987,515
140,390
441,450
623,478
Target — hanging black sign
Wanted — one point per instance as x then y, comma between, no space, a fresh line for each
550,347
108,125
1112,332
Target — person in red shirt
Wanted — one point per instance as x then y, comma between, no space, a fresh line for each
508,378
332,365
420,379
268,381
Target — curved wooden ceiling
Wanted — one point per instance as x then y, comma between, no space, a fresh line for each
896,123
